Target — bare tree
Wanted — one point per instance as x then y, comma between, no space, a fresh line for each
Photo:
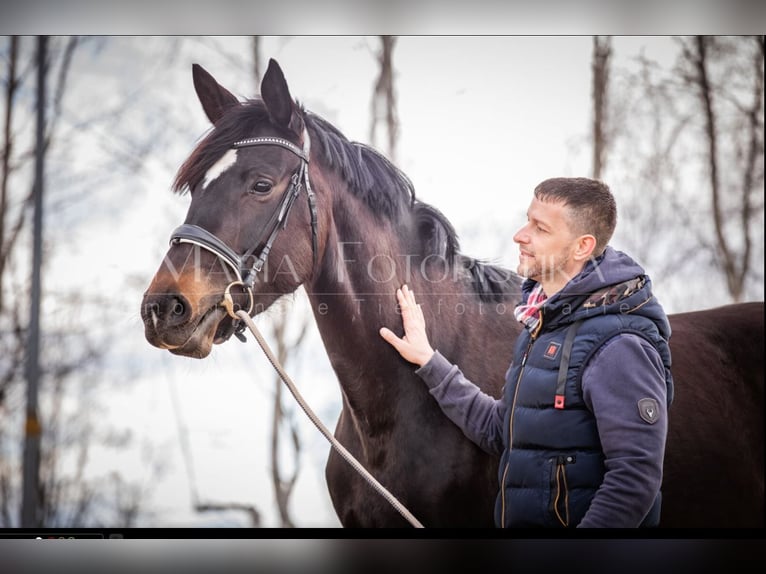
696,225
257,75
14,327
11,86
198,504
602,51
283,486
71,349
383,104
733,241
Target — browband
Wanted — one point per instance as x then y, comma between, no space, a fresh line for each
303,154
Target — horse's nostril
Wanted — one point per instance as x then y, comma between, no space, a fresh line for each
165,310
178,308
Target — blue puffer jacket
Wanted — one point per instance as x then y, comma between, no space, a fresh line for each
553,461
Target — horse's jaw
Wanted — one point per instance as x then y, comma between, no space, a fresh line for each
208,330
200,342
224,330
215,328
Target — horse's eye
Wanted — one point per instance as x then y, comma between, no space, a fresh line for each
261,187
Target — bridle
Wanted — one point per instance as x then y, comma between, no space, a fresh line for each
188,233
246,274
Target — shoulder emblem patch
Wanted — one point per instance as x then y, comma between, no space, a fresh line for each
649,410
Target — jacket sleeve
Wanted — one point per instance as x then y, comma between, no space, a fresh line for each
624,371
477,414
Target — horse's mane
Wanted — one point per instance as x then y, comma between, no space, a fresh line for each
370,176
383,187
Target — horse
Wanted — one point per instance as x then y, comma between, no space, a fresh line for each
360,233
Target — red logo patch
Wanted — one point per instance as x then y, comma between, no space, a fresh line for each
552,351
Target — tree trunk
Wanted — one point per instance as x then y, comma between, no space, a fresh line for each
10,92
735,264
602,51
383,106
31,504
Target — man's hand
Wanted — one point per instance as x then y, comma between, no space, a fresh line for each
414,346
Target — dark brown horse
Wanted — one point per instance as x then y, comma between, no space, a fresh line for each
280,198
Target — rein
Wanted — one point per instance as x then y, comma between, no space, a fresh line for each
195,235
347,456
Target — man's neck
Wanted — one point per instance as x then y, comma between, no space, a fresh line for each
562,277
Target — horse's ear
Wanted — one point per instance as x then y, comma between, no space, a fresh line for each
215,99
279,102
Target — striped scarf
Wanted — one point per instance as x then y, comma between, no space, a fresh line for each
529,313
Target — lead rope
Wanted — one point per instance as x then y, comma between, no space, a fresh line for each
317,423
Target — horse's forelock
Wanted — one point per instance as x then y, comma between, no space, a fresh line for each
369,175
239,122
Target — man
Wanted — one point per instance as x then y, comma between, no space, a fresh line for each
582,423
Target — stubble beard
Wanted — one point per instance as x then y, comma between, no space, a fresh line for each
548,269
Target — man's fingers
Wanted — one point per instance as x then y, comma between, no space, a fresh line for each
406,298
412,303
402,299
390,337
409,295
404,304
412,314
413,346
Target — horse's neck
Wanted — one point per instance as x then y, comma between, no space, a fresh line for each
349,304
352,297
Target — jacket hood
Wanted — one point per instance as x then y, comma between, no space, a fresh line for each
609,268
610,283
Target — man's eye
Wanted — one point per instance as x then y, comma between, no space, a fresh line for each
261,187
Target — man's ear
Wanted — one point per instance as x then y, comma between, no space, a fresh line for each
584,247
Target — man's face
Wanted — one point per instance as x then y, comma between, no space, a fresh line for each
546,245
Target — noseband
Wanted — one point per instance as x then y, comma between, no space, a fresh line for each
246,275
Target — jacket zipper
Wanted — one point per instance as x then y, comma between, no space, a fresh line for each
510,422
560,482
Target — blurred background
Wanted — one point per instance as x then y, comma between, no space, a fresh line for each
126,435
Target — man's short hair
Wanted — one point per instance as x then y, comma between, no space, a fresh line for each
590,204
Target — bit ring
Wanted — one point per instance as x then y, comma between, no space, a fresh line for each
228,300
